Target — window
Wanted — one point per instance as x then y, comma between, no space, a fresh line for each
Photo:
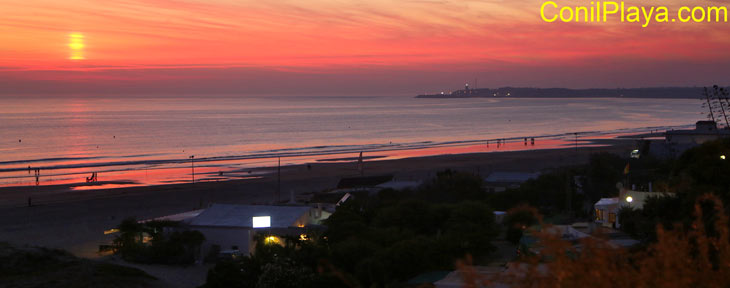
599,215
612,217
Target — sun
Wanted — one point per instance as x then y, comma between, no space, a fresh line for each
76,46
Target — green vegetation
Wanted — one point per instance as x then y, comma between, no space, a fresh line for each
411,236
382,240
388,238
293,264
149,243
689,256
518,220
697,169
42,267
551,192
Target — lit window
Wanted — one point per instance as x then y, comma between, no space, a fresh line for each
272,240
111,231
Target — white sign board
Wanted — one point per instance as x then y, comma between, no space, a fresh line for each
261,221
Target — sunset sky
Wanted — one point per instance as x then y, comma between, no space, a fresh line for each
340,47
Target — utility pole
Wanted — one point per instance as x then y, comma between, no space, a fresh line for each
361,165
192,166
576,141
278,185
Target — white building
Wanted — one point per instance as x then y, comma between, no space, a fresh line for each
704,131
234,227
607,208
607,212
678,141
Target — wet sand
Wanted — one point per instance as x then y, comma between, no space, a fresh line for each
75,220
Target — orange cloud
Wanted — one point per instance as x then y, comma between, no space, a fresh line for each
329,34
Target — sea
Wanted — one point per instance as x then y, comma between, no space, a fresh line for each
138,140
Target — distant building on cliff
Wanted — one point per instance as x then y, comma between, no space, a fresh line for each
677,141
704,131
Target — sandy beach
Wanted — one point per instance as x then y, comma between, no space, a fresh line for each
75,220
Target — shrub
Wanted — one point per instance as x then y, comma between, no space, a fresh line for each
518,219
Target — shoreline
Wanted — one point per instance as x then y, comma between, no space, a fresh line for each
266,172
152,172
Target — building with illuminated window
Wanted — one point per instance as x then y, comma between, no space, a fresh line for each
235,228
606,209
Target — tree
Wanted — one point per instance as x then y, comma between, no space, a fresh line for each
172,247
129,241
242,273
518,219
452,186
604,170
715,99
472,227
702,169
284,273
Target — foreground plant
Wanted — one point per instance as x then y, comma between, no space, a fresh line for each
697,256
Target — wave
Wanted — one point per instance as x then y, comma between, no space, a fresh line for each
60,159
320,150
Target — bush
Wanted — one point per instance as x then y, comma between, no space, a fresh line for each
177,247
518,219
682,257
452,186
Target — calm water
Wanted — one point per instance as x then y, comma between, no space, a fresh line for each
150,140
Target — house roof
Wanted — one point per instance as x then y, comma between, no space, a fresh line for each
510,177
178,217
399,185
227,215
607,201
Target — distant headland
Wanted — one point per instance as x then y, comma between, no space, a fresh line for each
516,92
